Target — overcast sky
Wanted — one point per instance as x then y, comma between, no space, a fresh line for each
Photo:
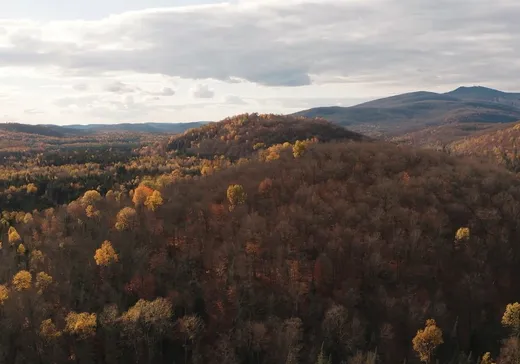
107,61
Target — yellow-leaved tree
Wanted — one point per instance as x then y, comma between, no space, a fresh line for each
21,249
22,280
43,281
81,324
236,196
4,294
106,255
511,317
154,314
154,201
427,340
141,194
48,330
92,212
36,259
462,234
13,236
90,197
126,219
299,148
31,188
28,219
486,359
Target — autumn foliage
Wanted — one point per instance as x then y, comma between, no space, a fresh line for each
427,340
279,250
106,255
22,280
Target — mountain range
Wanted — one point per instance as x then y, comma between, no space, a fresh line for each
70,130
409,112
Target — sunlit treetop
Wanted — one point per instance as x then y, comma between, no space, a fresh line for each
13,236
106,255
427,340
81,324
22,280
462,234
4,294
154,201
90,197
141,194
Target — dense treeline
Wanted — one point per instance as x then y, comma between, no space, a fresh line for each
308,253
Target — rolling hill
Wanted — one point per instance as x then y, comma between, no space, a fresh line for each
58,131
499,144
42,130
409,112
172,128
440,136
240,135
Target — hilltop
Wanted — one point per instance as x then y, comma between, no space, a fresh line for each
486,94
241,135
410,112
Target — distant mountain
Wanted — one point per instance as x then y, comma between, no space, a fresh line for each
44,130
172,128
78,130
478,93
414,111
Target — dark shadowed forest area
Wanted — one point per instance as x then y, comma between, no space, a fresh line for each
260,239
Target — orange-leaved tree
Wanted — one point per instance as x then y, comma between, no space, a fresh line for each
141,194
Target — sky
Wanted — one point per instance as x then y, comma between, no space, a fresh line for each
112,61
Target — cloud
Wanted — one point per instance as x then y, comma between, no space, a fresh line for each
201,91
269,55
235,100
77,101
273,43
166,91
119,88
80,86
32,111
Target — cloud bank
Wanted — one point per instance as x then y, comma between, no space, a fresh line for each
278,46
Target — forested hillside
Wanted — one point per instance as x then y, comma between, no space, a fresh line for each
300,251
241,135
500,144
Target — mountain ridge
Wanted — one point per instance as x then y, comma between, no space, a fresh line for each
412,111
53,130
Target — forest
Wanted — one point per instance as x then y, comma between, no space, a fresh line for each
260,239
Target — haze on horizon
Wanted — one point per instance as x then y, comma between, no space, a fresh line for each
173,61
